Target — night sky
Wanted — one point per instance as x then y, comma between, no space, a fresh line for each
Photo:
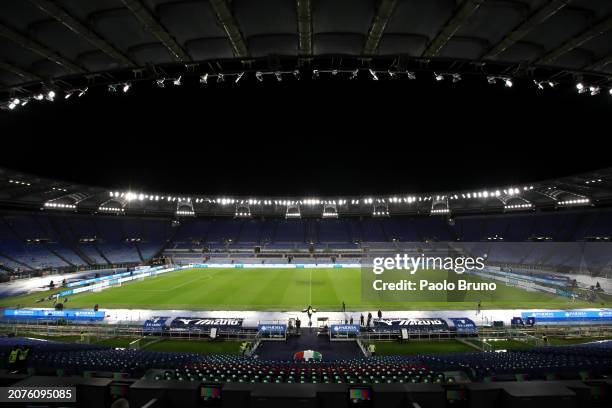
308,137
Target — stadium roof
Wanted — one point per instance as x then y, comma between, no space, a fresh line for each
70,45
19,190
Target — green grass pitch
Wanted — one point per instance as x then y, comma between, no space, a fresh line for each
278,289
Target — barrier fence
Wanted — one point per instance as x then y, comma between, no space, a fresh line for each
97,332
100,332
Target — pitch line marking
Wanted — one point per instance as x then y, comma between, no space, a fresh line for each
310,286
200,278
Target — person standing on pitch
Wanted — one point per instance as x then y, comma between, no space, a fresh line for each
362,320
379,314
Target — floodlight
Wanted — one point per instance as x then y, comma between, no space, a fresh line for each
160,83
177,81
239,77
126,87
259,76
508,83
374,76
439,77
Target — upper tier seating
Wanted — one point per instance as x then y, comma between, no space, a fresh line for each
38,241
43,240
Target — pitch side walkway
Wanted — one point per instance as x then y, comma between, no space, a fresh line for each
251,319
308,340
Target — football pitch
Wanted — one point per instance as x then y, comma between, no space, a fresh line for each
274,289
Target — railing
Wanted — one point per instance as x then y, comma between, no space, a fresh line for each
197,335
50,271
108,331
532,336
477,343
363,348
51,329
528,335
412,335
572,331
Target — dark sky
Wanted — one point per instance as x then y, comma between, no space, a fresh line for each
311,137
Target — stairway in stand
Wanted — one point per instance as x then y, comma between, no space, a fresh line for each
308,340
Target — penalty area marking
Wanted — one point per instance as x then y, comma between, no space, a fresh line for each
180,285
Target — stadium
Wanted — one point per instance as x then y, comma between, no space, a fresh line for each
224,203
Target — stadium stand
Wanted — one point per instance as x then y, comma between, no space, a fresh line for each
355,371
77,241
528,247
35,241
591,360
568,362
67,249
560,251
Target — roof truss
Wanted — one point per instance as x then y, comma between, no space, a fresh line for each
537,18
154,27
379,23
81,30
465,10
20,72
39,49
230,25
595,31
